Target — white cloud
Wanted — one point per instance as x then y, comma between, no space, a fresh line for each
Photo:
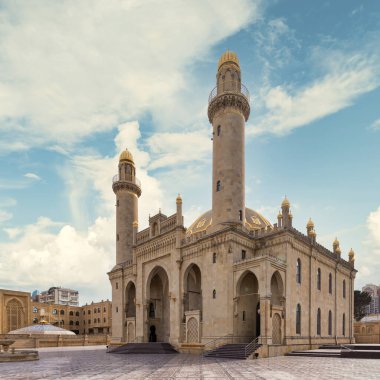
170,149
375,126
74,68
286,108
368,260
32,176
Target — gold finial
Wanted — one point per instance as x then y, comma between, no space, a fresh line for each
336,243
285,202
337,250
310,224
135,224
126,155
228,56
351,255
179,199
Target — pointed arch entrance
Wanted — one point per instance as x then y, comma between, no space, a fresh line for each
130,311
158,308
248,306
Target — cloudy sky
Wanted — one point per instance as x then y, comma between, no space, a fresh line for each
82,80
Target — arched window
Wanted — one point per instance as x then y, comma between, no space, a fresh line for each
71,313
218,130
77,323
152,313
243,316
71,323
330,283
240,215
62,312
77,313
344,288
319,321
214,258
330,322
243,254
344,325
298,319
214,293
298,271
218,186
319,279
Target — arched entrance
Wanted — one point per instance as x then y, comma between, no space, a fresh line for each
130,311
158,306
277,289
15,315
193,288
276,329
248,306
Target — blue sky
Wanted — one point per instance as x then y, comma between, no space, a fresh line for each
81,80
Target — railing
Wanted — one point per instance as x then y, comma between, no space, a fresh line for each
233,87
251,347
134,180
226,339
213,342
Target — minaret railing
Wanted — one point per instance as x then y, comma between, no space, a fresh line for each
229,87
136,181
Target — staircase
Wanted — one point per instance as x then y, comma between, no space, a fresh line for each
144,348
234,350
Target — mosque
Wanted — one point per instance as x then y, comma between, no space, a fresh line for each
231,274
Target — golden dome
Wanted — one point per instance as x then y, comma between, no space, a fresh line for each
253,221
285,202
228,56
126,155
179,199
336,243
310,224
279,216
338,250
351,254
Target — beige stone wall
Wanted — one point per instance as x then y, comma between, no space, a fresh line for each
367,332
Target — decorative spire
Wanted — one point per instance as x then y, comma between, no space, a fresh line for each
126,155
285,202
228,56
310,224
179,199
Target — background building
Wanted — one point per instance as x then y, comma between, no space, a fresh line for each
17,310
374,292
367,330
59,296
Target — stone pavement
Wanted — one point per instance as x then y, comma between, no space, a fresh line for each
95,364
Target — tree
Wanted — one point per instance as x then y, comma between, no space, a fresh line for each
361,300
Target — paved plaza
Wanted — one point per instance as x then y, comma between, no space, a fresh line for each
94,363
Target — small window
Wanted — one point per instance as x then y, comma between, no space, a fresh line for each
71,323
95,310
35,309
344,325
89,321
330,322
88,311
152,312
218,130
319,321
117,309
214,293
77,313
240,215
104,309
330,283
319,279
55,311
77,323
117,203
94,320
298,319
98,320
243,254
214,258
98,309
117,237
104,319
218,186
344,288
243,317
35,320
298,271
117,285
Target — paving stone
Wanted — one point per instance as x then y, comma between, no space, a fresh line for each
95,364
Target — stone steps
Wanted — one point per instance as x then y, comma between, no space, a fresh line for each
230,351
144,348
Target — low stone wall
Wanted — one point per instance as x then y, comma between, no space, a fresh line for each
40,341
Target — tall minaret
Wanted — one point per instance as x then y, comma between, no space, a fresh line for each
127,189
228,111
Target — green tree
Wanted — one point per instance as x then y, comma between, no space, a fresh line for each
361,300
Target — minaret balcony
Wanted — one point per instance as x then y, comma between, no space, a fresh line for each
229,87
132,184
229,94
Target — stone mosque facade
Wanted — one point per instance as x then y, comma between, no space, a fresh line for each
231,273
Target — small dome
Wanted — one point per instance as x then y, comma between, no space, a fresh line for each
312,233
285,202
126,155
336,243
338,250
228,56
279,216
351,254
42,328
179,199
310,224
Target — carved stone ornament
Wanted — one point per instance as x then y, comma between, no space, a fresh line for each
229,100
